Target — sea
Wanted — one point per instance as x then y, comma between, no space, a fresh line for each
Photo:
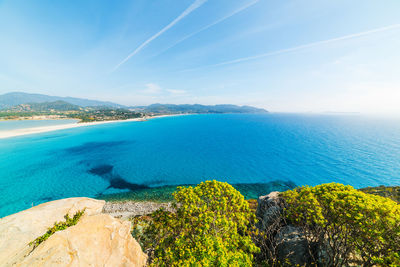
22,124
256,153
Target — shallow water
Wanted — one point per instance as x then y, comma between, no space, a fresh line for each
102,160
23,124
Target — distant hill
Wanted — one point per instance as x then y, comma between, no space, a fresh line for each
16,98
61,110
197,108
45,106
25,102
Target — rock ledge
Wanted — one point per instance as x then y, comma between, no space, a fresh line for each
97,240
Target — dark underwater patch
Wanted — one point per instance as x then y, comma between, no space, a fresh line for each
101,170
164,193
119,183
105,171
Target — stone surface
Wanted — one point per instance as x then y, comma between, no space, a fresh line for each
18,230
98,240
128,209
292,246
289,240
269,210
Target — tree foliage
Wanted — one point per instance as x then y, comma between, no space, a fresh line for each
209,228
353,227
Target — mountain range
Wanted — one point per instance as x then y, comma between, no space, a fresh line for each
19,101
196,108
17,98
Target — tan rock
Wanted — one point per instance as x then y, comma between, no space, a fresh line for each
98,240
17,230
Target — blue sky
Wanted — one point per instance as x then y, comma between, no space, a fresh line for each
292,56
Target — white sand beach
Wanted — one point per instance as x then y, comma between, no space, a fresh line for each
36,130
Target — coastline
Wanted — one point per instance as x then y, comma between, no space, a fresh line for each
51,128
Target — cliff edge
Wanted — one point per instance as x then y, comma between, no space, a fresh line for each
97,239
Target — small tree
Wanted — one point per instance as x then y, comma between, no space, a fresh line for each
209,228
351,226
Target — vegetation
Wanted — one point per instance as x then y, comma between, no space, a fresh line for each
61,109
58,226
196,108
105,114
250,191
11,115
352,227
45,107
392,192
16,98
19,100
212,226
209,228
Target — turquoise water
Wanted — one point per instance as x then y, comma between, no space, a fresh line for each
275,150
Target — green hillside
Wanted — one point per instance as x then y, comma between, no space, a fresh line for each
45,107
16,98
197,108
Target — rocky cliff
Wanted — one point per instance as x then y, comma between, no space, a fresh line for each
96,240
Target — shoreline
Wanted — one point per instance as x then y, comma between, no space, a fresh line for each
44,129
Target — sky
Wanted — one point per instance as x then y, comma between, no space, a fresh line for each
285,56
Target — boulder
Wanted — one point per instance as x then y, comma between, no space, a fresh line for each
292,247
269,210
98,240
18,230
129,209
289,243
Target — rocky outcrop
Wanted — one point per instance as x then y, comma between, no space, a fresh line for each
129,209
97,240
292,246
286,241
269,210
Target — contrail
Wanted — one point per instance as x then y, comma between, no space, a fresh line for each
210,25
296,48
190,9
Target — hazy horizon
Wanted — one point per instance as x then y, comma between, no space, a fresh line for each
296,56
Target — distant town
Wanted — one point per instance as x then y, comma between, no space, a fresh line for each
18,106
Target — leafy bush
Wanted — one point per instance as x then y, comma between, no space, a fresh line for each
58,226
209,228
392,192
353,227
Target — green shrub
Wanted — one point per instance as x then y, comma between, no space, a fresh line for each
354,227
392,192
209,228
58,226
392,260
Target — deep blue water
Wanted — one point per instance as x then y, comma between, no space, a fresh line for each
237,148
